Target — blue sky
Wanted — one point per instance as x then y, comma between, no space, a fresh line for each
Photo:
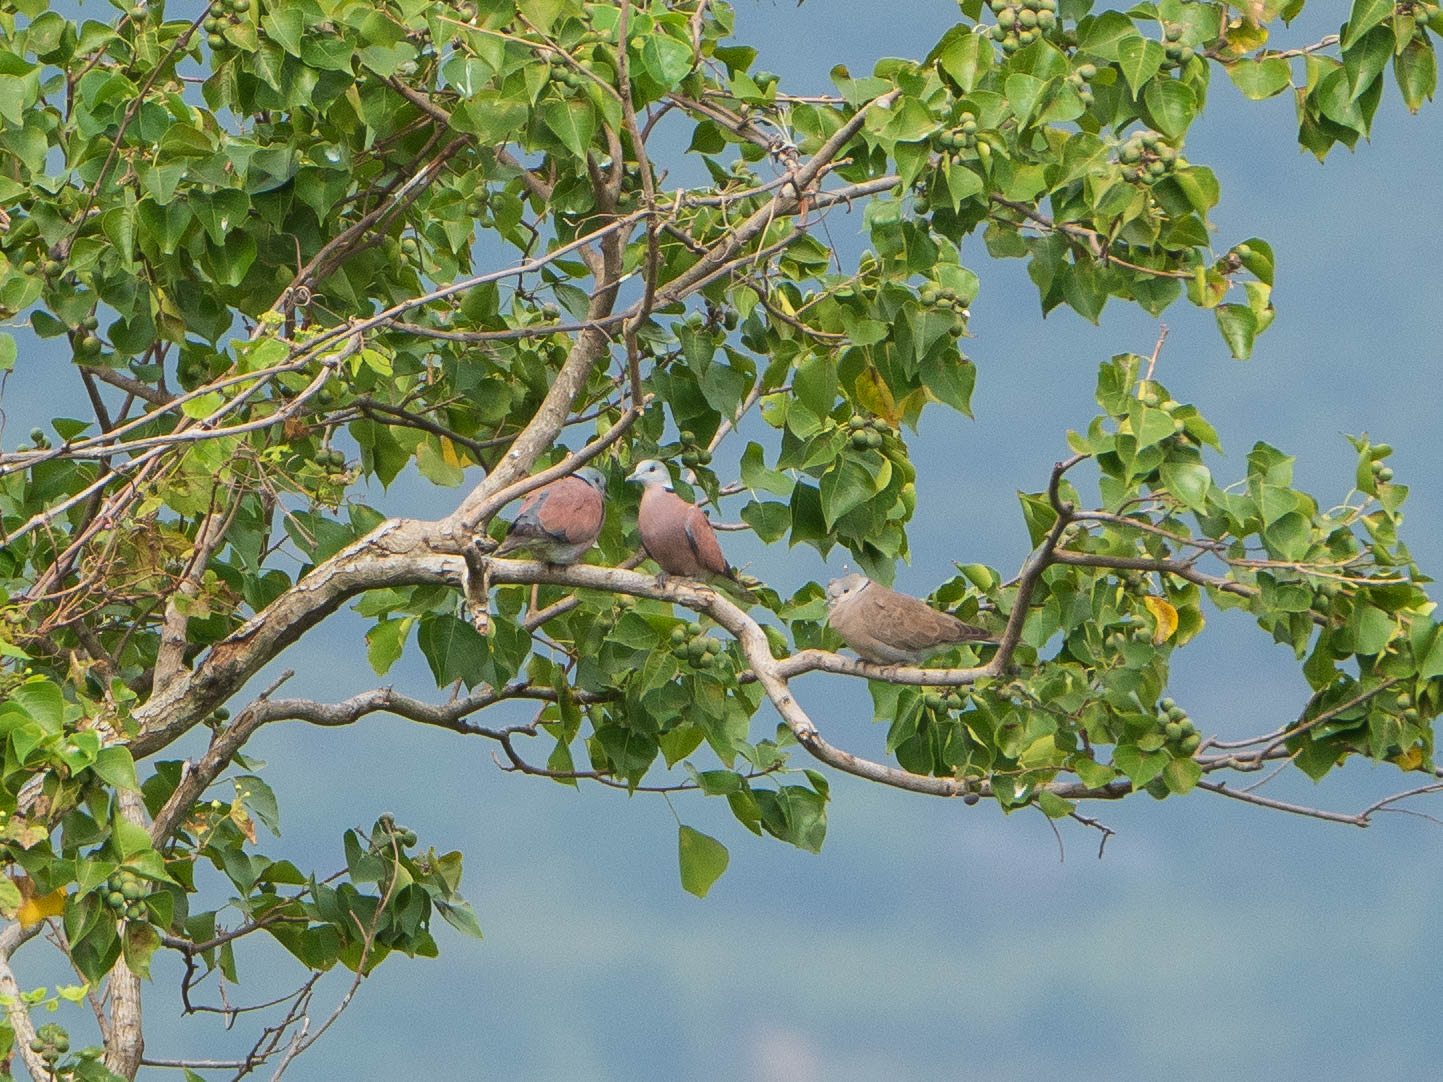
930,939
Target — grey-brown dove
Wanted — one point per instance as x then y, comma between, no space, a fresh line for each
560,521
677,535
889,628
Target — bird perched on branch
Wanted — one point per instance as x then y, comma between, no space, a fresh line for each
559,522
678,536
889,628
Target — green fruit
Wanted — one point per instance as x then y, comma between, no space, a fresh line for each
1404,701
1173,33
953,701
1166,705
704,457
687,436
713,646
1187,53
221,713
407,838
1027,17
1411,715
215,41
37,435
860,438
1007,18
132,891
1087,71
932,701
856,421
1177,713
693,629
1129,155
1046,19
134,911
678,636
1188,728
115,899
28,267
696,650
239,6
1172,730
690,459
1172,52
53,267
1190,743
928,296
1385,474
874,440
90,345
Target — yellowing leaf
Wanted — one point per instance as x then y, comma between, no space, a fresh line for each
451,454
1165,615
240,818
874,394
34,910
1410,759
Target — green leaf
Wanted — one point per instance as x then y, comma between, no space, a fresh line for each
1365,15
1181,775
1139,58
703,859
1416,69
385,641
1171,106
7,352
114,766
1189,482
1238,326
573,122
666,59
1263,78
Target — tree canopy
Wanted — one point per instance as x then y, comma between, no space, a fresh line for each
297,247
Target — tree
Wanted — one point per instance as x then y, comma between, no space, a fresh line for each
296,246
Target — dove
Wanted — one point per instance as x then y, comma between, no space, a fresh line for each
677,535
560,521
889,628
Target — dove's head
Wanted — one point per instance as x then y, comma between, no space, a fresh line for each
593,477
651,472
845,588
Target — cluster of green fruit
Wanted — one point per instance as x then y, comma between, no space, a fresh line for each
1406,710
1019,22
867,432
693,455
405,836
87,342
50,1043
566,75
962,137
51,267
332,459
1178,727
126,893
1079,79
1148,157
215,23
697,650
1177,54
935,296
38,438
1381,473
938,702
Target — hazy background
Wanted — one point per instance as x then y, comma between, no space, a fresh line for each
930,939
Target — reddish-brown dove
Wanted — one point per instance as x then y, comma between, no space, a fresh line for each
560,521
889,628
677,535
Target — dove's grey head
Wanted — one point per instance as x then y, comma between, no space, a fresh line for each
845,588
593,477
651,472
